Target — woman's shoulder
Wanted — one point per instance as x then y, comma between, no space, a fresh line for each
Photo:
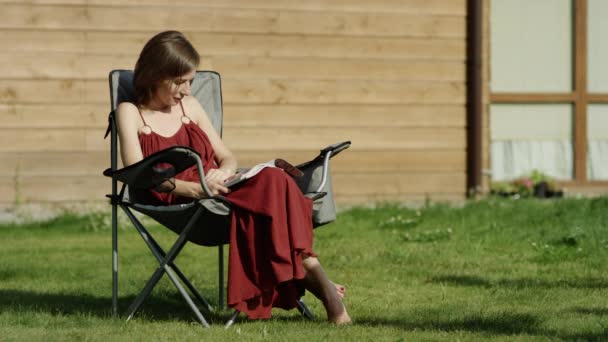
127,112
190,102
126,107
193,108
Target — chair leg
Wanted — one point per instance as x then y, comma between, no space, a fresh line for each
220,267
192,289
145,292
167,265
184,294
181,275
114,256
160,254
302,307
232,319
305,310
150,286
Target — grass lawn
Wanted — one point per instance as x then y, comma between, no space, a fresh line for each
490,270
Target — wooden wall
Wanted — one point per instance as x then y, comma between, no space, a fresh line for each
297,75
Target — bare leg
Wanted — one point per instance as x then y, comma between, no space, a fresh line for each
318,284
340,290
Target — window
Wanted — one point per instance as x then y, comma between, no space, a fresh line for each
549,89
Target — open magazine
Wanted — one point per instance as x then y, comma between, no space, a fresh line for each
278,163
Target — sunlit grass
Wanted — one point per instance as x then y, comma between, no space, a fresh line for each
493,269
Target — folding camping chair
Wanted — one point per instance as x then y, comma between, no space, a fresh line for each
204,222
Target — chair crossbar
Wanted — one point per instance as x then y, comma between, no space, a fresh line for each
302,308
167,265
160,254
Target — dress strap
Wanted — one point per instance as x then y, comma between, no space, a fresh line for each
183,111
142,117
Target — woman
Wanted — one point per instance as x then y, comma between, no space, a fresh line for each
271,255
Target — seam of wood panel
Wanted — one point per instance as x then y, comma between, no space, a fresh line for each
240,33
277,34
254,58
393,11
271,23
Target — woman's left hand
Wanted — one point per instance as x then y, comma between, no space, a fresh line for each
217,175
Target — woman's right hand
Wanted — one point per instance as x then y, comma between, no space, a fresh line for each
215,186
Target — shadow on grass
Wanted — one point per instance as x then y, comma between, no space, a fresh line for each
467,280
591,311
164,307
500,324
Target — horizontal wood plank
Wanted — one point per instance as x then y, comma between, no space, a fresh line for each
58,189
398,183
8,191
250,139
84,188
42,140
386,138
446,7
54,91
369,92
222,44
344,115
344,202
26,65
51,164
54,115
253,92
74,17
95,116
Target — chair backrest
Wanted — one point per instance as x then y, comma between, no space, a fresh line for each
206,87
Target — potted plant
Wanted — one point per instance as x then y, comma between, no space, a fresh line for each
535,184
544,186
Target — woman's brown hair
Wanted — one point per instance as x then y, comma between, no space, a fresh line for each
165,56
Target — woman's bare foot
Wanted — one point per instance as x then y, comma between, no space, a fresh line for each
336,311
342,318
330,294
340,290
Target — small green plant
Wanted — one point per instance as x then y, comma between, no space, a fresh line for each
429,235
399,221
536,183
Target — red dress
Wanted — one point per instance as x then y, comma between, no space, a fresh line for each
271,228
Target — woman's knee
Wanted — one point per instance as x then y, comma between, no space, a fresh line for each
310,262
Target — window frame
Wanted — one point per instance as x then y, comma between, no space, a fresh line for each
579,98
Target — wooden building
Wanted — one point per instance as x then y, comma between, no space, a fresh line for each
389,75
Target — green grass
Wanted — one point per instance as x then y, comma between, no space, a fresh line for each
490,270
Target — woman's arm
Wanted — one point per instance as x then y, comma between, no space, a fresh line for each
129,123
224,157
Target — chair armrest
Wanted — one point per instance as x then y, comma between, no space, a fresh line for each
322,162
158,168
336,148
